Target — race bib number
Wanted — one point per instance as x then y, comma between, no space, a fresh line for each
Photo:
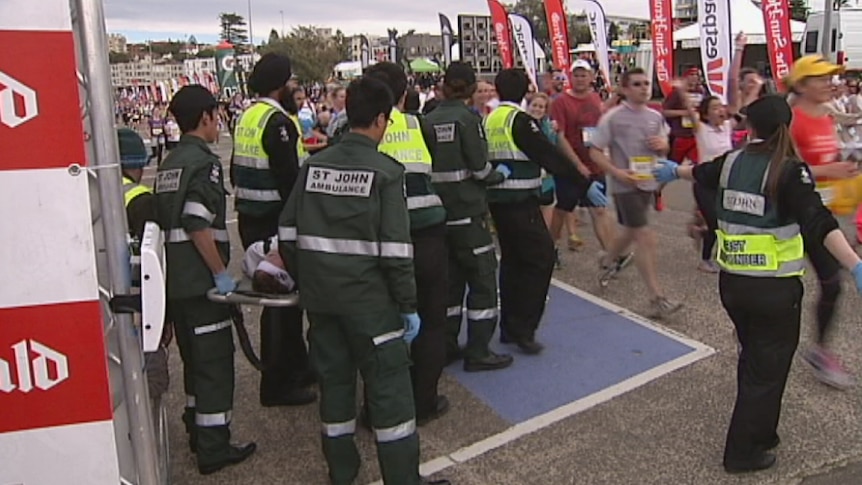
157,131
642,167
446,133
168,180
587,134
352,183
687,122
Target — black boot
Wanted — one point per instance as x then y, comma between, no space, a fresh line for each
234,455
191,430
490,362
441,408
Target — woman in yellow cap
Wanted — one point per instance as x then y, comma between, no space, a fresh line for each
766,202
816,140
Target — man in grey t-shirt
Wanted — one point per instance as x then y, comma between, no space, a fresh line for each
635,136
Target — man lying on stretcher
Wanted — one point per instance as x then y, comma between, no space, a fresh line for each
267,271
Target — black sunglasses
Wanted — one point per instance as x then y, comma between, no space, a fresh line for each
639,84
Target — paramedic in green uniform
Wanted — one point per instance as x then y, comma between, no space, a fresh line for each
190,205
345,235
461,175
766,202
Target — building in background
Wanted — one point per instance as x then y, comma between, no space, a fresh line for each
379,48
478,43
325,32
422,45
117,44
685,12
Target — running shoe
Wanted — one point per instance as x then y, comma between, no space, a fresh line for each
708,266
827,368
575,242
661,307
624,261
606,271
659,202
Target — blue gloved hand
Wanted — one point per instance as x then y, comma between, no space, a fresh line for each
412,323
857,275
665,171
504,169
225,283
596,194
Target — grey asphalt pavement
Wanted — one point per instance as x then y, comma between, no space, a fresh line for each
669,431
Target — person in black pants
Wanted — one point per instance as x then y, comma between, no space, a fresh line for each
264,167
766,202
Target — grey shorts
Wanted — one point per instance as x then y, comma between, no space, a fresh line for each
632,208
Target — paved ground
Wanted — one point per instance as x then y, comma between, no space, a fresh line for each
668,431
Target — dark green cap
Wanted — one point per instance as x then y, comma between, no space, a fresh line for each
133,152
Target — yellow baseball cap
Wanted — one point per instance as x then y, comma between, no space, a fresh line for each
810,66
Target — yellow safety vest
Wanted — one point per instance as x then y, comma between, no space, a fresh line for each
751,239
132,189
404,142
301,153
498,129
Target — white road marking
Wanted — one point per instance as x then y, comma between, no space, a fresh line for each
467,453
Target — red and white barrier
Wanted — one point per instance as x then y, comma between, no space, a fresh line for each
55,403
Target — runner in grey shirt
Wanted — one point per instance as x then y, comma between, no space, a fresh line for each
636,136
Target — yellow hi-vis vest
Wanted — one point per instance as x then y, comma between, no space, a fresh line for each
301,153
255,186
404,142
132,189
752,239
526,175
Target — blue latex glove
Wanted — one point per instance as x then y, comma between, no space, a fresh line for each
857,275
503,169
412,323
596,194
665,171
225,283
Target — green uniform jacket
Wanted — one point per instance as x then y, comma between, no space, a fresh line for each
190,196
461,168
345,232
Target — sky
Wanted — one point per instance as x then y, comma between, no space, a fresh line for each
144,20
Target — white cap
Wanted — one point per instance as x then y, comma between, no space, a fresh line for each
581,64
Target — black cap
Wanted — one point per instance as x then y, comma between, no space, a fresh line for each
460,71
270,73
767,114
191,99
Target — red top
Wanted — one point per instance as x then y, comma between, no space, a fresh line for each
572,116
815,137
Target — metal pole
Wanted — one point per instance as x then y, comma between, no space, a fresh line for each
91,34
826,31
250,32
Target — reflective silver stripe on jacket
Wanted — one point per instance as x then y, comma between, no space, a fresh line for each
212,419
213,327
453,176
481,314
483,249
481,174
460,222
454,311
781,233
257,163
417,167
507,155
397,432
190,401
355,247
729,161
386,337
518,184
287,233
258,195
180,235
334,430
199,210
422,201
784,269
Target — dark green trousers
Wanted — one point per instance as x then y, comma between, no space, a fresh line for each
204,336
472,266
374,345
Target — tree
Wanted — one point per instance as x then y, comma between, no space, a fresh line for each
613,32
118,57
312,55
799,10
273,36
205,53
534,11
193,41
233,29
342,44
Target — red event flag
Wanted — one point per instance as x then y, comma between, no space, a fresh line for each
776,19
661,17
503,32
558,30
